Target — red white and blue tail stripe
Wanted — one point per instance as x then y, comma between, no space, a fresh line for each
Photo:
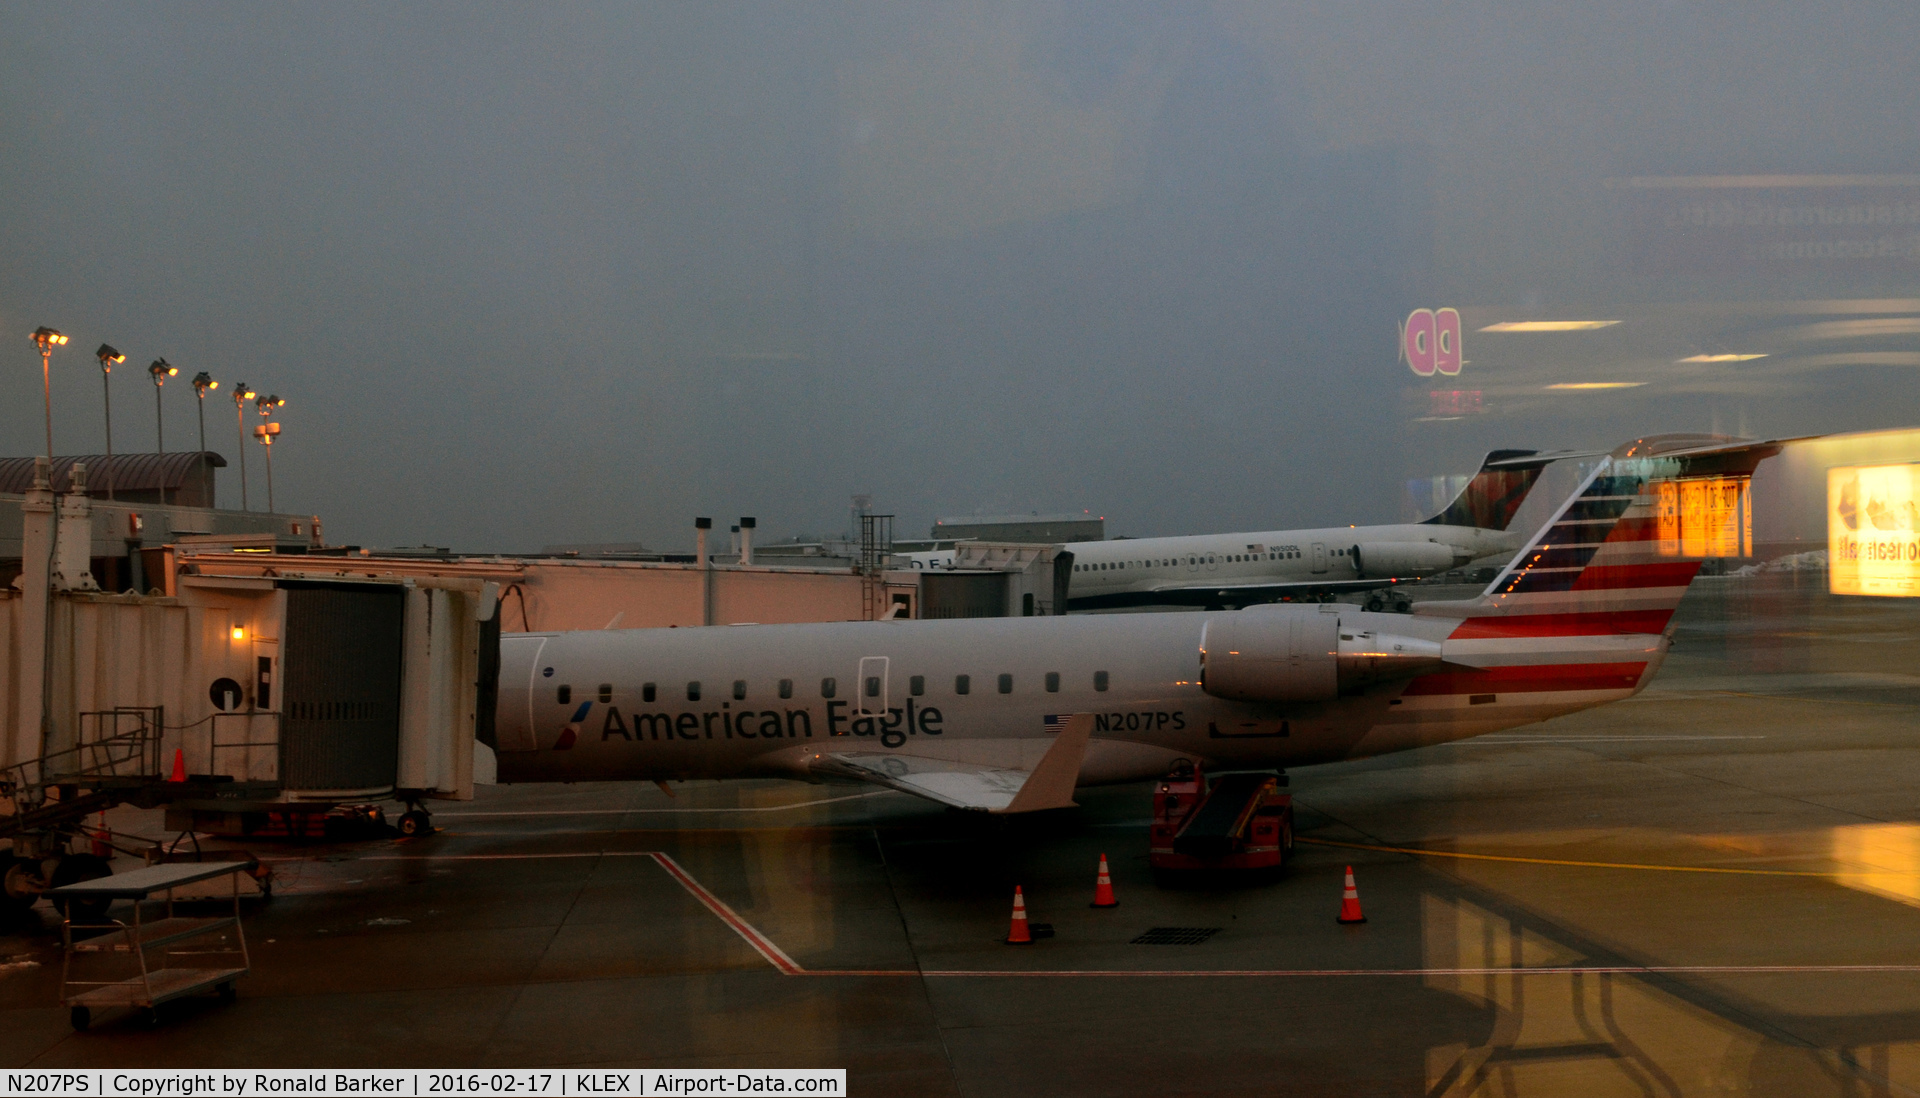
1583,615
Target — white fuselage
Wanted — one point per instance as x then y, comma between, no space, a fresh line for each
1299,557
629,711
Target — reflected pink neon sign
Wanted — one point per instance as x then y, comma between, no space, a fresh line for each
1430,342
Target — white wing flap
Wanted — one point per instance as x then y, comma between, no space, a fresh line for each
973,786
984,788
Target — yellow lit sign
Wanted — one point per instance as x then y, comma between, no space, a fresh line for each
1704,517
1873,530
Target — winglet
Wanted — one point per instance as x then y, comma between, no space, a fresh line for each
1052,781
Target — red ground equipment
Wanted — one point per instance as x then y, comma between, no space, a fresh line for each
1236,821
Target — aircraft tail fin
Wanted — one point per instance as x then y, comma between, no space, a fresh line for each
1583,614
1493,495
1618,554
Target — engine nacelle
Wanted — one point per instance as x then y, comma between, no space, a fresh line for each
1304,654
1387,559
1273,653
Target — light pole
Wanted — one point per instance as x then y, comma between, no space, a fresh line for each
160,371
242,394
202,384
47,339
266,406
266,433
109,358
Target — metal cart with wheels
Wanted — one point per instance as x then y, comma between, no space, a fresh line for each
147,961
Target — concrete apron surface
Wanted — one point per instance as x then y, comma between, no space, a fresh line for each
1711,888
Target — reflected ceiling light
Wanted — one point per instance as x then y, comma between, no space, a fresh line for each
1719,358
1597,385
1859,329
1549,325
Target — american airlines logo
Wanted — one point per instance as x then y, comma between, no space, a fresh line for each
1430,342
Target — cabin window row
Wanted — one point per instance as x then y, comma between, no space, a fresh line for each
1175,562
830,687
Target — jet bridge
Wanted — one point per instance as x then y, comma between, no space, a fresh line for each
245,705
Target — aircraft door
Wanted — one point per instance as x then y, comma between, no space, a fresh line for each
871,686
520,682
1213,562
1319,556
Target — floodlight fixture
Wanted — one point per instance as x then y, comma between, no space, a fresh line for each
266,433
202,384
241,394
47,339
268,403
109,358
160,370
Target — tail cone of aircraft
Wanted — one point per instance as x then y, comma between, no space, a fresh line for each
1017,933
1350,902
179,765
1103,887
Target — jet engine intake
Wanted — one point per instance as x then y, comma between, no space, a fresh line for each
1387,559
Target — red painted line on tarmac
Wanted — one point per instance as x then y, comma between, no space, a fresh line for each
760,942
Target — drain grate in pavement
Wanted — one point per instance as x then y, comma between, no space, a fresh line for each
1175,936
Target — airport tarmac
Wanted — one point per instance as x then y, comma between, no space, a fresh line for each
1711,888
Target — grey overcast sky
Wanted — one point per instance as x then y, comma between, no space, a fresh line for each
541,273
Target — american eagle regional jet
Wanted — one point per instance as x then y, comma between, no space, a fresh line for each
1009,714
1229,570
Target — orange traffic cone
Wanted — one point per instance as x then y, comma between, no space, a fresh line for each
1017,933
1350,902
179,765
1103,887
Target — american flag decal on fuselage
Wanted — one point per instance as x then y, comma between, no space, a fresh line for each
1056,722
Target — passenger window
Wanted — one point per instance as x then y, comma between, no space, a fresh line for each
1053,682
693,691
606,692
873,686
739,690
828,687
786,688
1099,680
563,695
917,685
647,692
1006,684
962,684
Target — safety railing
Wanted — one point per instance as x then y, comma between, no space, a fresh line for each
123,742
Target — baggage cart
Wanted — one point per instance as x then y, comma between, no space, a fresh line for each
143,960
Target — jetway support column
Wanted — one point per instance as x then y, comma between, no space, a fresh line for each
36,591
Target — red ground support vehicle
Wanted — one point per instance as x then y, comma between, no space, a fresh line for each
1236,821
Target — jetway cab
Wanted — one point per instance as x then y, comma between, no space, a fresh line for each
337,692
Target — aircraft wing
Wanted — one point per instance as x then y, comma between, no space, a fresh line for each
1215,594
998,790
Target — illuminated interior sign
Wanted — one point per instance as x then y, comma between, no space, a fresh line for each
1430,342
1705,517
1873,530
